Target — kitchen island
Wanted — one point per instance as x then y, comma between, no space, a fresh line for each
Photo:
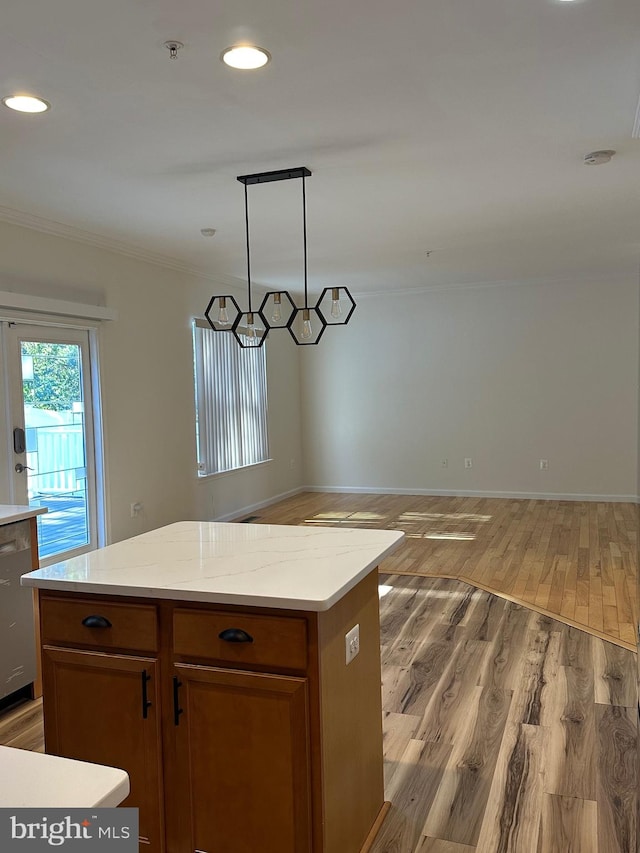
209,661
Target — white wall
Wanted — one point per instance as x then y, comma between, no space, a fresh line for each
147,376
506,375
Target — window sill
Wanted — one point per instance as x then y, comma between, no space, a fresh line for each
232,471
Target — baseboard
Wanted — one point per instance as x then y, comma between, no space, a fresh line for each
535,496
245,510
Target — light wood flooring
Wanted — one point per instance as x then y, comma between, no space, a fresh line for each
575,560
505,731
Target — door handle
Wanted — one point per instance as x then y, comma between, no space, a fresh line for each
20,468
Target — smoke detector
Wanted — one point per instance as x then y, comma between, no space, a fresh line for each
597,158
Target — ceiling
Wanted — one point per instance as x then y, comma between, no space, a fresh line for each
453,127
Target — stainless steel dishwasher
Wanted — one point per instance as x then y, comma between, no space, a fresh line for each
17,638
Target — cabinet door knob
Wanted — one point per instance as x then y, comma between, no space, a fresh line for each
96,622
235,635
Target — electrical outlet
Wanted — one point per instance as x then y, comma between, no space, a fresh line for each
444,463
352,643
544,464
136,509
468,462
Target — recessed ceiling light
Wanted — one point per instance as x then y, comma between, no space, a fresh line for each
26,104
245,56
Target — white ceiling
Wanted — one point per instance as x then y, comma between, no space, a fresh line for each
451,126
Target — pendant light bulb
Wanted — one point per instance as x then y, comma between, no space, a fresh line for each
307,331
277,312
336,308
223,314
251,329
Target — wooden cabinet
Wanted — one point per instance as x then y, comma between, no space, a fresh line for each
105,708
253,734
242,749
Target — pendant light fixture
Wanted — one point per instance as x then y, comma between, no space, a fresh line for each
306,326
278,310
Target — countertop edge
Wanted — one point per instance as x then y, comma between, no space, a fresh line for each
179,593
31,772
21,513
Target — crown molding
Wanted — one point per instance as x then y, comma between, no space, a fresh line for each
89,238
613,278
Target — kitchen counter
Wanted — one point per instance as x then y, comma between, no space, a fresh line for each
31,779
233,670
13,512
260,565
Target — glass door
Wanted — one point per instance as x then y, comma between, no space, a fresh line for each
52,435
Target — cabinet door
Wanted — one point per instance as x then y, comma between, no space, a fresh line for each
243,761
105,708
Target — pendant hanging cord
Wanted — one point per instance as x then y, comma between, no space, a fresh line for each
304,237
246,223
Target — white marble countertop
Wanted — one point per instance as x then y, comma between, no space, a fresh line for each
12,512
260,565
31,779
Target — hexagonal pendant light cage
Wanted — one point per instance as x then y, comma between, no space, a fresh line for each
278,310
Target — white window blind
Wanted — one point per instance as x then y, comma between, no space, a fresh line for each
231,402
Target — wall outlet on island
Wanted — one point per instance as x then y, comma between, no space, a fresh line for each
352,643
136,509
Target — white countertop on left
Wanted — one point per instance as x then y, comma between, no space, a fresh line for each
12,512
31,779
259,565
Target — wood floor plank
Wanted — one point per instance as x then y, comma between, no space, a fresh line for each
447,711
615,676
484,617
411,792
572,729
617,779
395,684
502,667
511,822
536,675
397,731
568,825
571,720
459,805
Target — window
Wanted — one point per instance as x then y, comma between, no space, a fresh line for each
231,402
